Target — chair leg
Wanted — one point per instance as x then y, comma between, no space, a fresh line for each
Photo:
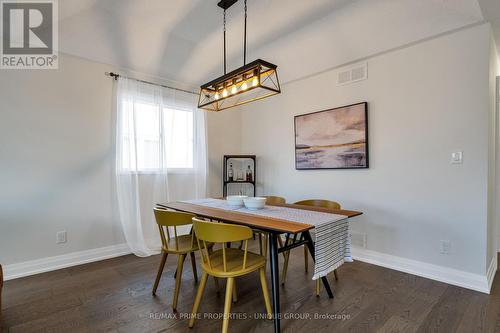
285,267
335,274
261,250
318,286
280,242
160,271
217,287
265,245
306,259
193,264
267,300
197,300
235,295
178,279
216,281
175,273
227,304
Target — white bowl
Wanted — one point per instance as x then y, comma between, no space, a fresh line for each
235,200
255,203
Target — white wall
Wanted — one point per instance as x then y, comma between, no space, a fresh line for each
56,160
493,159
224,138
425,102
495,105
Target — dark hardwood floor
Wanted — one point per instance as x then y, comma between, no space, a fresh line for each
115,296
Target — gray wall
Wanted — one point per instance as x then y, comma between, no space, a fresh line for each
425,102
57,155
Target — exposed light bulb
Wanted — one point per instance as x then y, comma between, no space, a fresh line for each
255,81
224,92
216,96
244,86
234,90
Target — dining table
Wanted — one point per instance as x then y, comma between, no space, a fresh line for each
275,227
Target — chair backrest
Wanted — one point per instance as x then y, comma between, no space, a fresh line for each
271,200
319,203
168,218
214,232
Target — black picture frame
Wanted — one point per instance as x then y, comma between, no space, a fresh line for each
367,150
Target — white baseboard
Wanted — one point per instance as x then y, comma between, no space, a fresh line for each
452,276
439,273
37,266
492,270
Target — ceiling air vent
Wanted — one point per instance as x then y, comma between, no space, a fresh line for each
351,74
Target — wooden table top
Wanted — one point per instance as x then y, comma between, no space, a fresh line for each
254,221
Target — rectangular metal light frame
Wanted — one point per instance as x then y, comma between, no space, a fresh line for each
259,67
225,4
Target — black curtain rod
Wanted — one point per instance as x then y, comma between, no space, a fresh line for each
116,76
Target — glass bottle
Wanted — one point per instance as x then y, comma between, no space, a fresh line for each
230,173
249,174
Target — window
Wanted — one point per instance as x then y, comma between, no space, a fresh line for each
157,132
179,137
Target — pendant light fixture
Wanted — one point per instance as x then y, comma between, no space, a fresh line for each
253,81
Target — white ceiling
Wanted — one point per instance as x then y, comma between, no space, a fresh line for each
182,39
491,12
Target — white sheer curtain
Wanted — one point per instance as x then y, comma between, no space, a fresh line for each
160,156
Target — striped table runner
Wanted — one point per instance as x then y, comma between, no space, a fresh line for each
331,234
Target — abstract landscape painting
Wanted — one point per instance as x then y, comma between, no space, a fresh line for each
332,139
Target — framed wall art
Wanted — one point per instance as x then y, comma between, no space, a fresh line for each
332,139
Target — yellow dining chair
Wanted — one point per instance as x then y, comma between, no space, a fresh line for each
319,203
178,245
316,203
226,262
270,200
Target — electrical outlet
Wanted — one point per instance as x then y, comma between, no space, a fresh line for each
61,237
445,247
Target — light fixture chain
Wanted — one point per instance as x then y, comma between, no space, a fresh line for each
248,83
245,37
224,41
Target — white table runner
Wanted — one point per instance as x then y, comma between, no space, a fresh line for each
332,243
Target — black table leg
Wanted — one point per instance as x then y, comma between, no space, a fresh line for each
310,246
273,249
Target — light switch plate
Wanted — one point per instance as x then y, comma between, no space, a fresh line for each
61,237
456,157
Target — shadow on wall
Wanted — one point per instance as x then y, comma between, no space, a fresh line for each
49,190
181,54
114,25
214,180
398,241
